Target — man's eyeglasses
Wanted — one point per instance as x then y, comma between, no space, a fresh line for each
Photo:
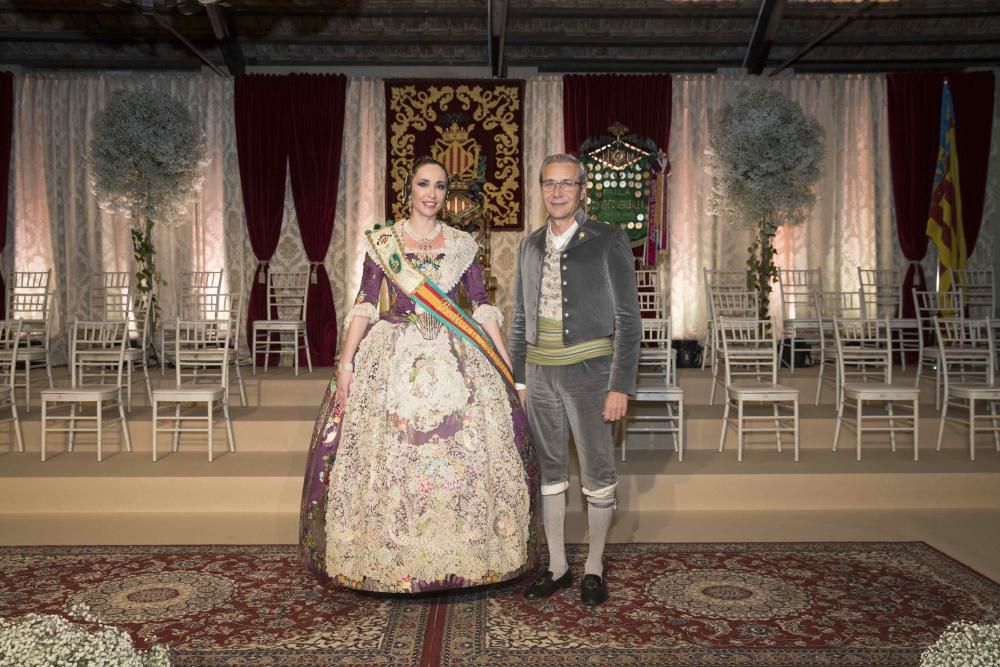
552,186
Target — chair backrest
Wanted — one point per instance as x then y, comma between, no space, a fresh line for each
797,288
864,349
733,304
880,292
196,289
977,284
226,312
286,295
97,352
928,305
966,348
202,351
725,281
10,334
34,309
839,304
651,305
110,296
749,349
30,282
647,280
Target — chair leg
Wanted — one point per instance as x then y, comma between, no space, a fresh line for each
972,429
149,387
229,428
125,433
840,421
239,382
916,430
27,386
777,424
210,405
305,341
71,437
163,353
680,430
295,352
725,426
944,416
993,423
892,427
100,430
155,405
857,427
44,422
177,425
128,375
739,431
795,425
715,380
253,353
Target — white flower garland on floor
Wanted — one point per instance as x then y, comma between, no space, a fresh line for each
46,640
964,644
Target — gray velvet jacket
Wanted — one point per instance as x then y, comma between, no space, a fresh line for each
599,297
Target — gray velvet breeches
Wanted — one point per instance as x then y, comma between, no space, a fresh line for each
570,399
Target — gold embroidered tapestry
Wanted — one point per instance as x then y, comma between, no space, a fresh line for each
473,128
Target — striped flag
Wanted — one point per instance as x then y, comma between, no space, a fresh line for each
944,222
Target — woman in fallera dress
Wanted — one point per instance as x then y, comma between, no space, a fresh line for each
421,474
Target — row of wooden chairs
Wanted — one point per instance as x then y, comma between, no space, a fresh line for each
97,362
864,371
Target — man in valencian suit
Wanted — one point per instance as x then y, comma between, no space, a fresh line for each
575,336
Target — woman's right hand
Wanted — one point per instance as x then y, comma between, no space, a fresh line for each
344,380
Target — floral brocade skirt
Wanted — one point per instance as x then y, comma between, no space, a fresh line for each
427,478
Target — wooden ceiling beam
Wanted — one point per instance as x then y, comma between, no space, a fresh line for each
763,34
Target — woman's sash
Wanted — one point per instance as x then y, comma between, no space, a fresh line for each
390,253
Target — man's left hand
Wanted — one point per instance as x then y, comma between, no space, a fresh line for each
615,406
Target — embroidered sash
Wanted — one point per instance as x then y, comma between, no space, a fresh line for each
388,249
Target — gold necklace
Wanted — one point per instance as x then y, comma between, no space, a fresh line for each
426,244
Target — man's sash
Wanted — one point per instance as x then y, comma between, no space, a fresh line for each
389,250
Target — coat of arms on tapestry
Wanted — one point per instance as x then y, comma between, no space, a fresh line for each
474,129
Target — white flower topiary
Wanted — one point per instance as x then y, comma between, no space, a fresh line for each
146,156
37,640
765,156
964,644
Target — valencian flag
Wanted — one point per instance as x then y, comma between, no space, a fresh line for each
944,222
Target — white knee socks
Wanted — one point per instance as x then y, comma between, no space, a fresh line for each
598,521
554,520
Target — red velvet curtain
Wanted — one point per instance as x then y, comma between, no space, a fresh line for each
317,134
6,128
262,148
592,102
914,116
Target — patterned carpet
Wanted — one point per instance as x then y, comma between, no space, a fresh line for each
802,604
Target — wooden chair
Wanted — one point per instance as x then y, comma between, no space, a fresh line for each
718,281
800,321
10,335
286,307
34,309
97,356
967,352
831,306
864,363
201,353
927,306
750,353
723,304
659,388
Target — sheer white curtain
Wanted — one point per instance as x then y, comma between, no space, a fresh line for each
57,223
361,200
851,224
543,136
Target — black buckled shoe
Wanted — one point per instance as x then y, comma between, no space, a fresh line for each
545,585
593,590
